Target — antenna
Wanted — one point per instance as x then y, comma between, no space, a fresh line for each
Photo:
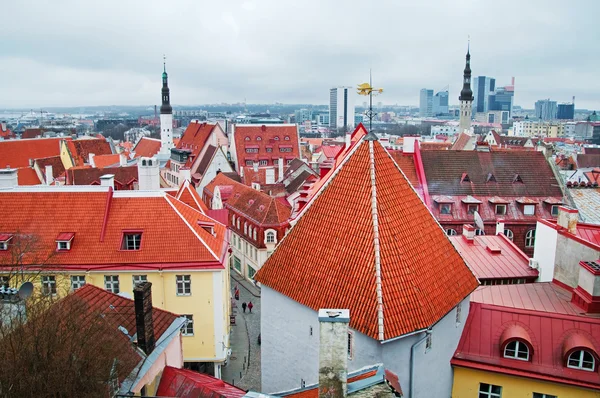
25,290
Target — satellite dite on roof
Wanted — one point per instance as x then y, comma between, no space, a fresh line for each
25,290
478,221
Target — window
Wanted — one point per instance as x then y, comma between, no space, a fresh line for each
263,162
238,223
251,272
188,328
237,264
471,209
245,229
451,232
4,281
445,208
137,279
581,359
246,248
62,245
251,150
428,342
530,238
49,285
517,350
500,210
276,138
270,237
259,138
184,285
77,281
509,234
458,314
269,149
554,210
132,241
286,138
247,138
479,232
254,234
4,242
489,391
540,395
249,162
350,347
111,283
529,210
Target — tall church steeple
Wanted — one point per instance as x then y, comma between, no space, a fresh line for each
166,115
466,96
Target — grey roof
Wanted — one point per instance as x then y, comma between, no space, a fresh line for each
587,201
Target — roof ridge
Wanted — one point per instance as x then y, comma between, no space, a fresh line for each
374,215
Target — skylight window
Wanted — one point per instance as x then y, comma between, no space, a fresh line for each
64,240
131,241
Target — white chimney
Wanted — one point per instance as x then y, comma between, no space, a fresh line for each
409,144
469,232
270,175
567,218
49,176
186,174
3,126
280,166
8,178
148,174
91,160
107,180
499,227
348,140
333,352
122,160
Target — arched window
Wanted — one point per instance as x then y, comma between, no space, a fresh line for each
247,138
259,138
270,237
143,162
286,138
530,238
582,359
517,350
479,232
238,223
509,234
276,138
254,234
233,219
245,229
451,232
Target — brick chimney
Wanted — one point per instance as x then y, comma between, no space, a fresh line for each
587,293
567,218
142,296
333,353
468,233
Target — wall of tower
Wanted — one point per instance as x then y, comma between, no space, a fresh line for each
166,132
465,116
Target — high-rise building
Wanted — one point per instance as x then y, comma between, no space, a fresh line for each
566,111
440,103
466,98
483,87
502,98
303,115
166,117
341,108
426,103
546,109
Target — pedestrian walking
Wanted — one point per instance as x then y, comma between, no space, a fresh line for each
244,306
250,305
237,294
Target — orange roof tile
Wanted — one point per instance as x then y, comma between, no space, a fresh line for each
27,176
263,137
188,195
80,149
406,162
106,160
58,168
16,153
146,147
365,220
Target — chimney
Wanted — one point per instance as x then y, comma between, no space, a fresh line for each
567,218
49,175
122,160
348,140
270,175
587,293
409,144
324,168
4,122
148,174
91,160
8,178
468,232
142,296
333,353
280,166
499,227
107,180
186,174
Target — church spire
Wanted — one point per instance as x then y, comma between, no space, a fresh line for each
165,108
466,94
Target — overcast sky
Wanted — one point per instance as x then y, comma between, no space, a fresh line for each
80,52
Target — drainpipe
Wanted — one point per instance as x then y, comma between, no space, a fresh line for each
412,361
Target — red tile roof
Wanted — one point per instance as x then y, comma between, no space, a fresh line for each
184,383
265,136
124,176
58,168
418,287
331,151
147,147
257,206
32,133
444,169
588,160
314,392
462,141
406,162
98,219
17,153
508,263
542,312
80,149
194,138
107,160
428,146
27,176
588,150
188,195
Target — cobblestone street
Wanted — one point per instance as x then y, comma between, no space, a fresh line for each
244,338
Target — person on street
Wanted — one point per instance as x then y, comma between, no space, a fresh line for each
250,305
237,294
244,306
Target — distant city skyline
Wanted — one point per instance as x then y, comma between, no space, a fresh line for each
266,51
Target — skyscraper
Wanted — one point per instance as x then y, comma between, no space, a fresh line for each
341,108
566,111
483,87
166,116
546,109
466,98
440,103
426,103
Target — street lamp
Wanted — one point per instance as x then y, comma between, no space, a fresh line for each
367,89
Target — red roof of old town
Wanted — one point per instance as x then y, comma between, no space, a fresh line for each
546,320
17,153
58,168
80,149
147,147
124,177
107,160
406,162
188,195
263,136
184,383
27,176
367,216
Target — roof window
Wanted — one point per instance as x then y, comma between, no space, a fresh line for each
517,179
207,226
132,240
63,241
465,178
247,138
276,138
490,178
286,138
4,240
581,359
259,138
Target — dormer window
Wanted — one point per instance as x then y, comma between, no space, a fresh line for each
500,210
529,210
276,138
286,138
517,179
582,359
131,241
554,210
465,178
517,350
207,226
247,138
270,237
471,209
4,241
490,178
258,138
446,208
63,241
